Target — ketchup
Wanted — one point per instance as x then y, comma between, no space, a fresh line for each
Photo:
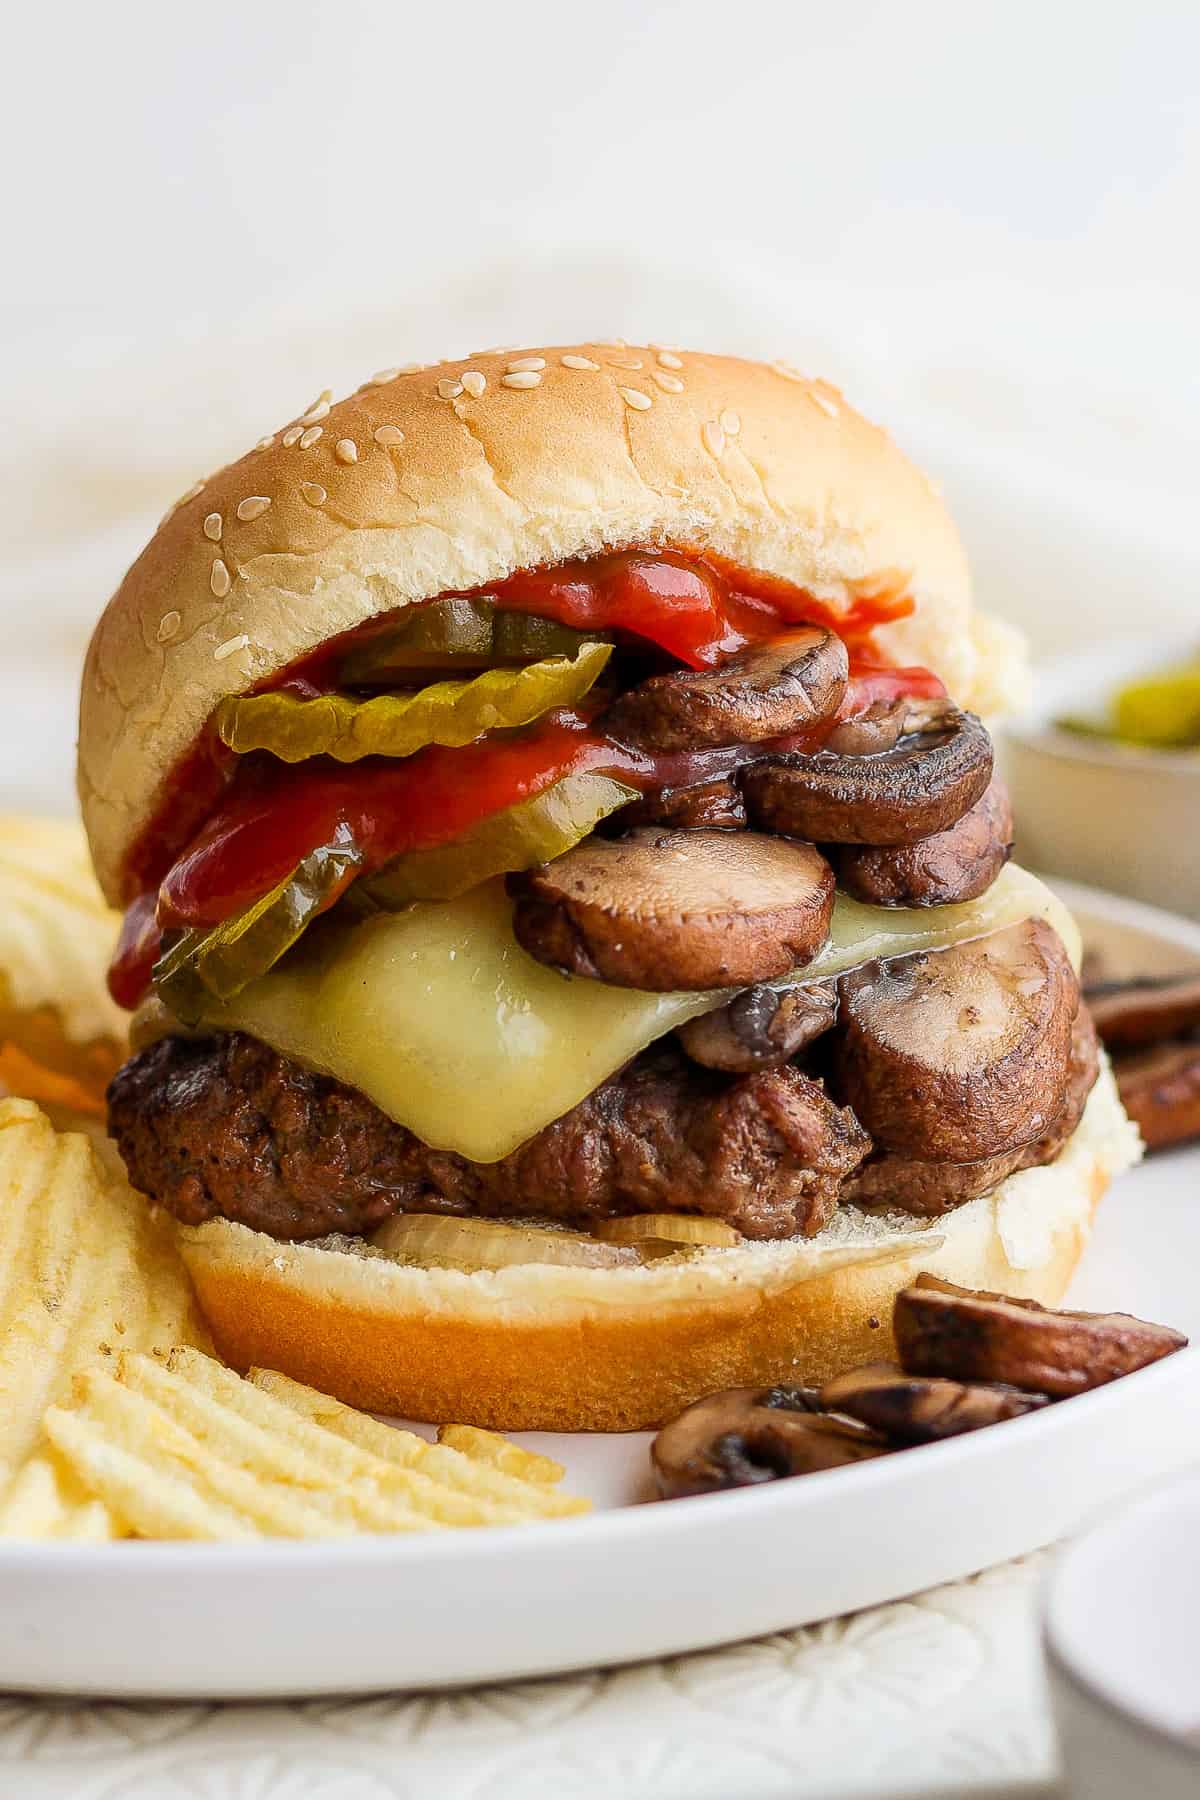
698,608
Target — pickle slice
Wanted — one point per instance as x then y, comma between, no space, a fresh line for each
522,836
450,713
436,1241
1162,710
218,961
458,635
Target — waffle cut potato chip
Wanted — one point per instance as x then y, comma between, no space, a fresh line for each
61,1035
86,1269
182,1447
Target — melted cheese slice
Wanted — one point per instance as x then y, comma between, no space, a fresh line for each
443,1020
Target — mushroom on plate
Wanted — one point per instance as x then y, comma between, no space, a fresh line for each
941,1329
921,1409
746,1436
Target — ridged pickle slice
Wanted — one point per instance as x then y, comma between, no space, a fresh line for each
450,713
522,836
457,635
220,960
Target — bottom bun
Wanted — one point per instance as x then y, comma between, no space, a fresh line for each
538,1347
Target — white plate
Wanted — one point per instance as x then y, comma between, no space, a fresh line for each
637,1581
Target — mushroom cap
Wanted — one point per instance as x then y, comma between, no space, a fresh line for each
920,786
766,690
951,866
670,910
962,1054
443,478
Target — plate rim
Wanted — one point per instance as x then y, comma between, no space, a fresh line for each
598,1529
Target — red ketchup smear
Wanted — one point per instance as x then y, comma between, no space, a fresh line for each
272,814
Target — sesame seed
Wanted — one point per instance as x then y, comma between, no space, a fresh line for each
579,362
218,579
381,377
612,343
670,384
449,388
346,450
264,443
474,380
389,435
521,378
625,362
524,363
252,507
314,493
731,422
788,371
714,437
308,438
319,408
293,435
212,527
668,360
634,397
414,368
193,492
231,646
168,625
823,401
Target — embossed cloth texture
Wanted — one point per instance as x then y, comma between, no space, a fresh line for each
937,1696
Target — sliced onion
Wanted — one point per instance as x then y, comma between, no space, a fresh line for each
663,1234
440,1242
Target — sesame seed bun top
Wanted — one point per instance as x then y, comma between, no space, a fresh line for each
439,479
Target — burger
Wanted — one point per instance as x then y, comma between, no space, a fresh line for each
575,956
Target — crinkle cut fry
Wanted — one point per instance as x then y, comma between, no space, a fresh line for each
441,1461
84,1269
183,1447
196,1425
46,1500
499,1453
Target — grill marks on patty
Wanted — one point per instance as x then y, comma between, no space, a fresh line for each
767,1152
224,1125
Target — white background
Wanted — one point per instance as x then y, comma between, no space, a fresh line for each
980,218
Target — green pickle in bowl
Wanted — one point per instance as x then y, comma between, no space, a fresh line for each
1158,711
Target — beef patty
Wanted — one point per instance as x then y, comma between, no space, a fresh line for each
223,1125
